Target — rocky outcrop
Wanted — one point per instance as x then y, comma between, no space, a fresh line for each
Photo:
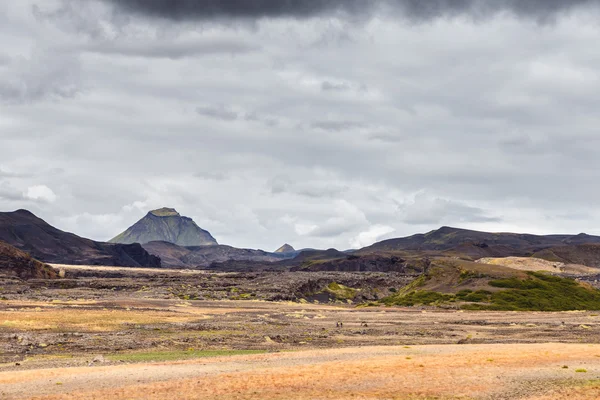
173,255
371,263
166,225
17,263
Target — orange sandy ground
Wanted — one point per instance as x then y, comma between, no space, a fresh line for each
420,372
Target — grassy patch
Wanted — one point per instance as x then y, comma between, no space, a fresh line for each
341,292
177,355
418,297
540,292
478,296
536,292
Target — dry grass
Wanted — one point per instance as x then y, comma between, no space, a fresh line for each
82,320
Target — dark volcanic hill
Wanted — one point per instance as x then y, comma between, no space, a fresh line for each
173,255
584,254
46,243
167,225
17,263
499,244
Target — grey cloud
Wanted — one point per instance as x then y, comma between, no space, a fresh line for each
82,18
432,210
218,112
412,9
11,194
327,86
337,126
173,50
388,137
313,189
212,175
4,173
41,76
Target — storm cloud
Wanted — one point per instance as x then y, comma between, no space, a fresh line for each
413,9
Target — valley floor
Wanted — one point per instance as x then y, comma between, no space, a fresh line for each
131,335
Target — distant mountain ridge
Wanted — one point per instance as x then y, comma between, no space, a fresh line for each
165,225
31,234
449,238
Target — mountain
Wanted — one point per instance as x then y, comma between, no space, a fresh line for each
166,225
17,263
173,255
497,244
46,243
286,248
584,254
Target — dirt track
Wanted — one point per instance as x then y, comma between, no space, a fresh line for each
446,371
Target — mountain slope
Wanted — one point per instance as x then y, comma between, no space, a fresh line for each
166,224
447,238
44,242
173,255
585,254
14,262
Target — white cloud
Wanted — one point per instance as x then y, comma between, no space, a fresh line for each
40,193
370,236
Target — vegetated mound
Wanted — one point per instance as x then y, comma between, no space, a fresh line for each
44,242
454,283
17,263
165,224
286,248
538,264
448,238
584,254
173,255
343,287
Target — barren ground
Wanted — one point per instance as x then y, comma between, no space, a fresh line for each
133,335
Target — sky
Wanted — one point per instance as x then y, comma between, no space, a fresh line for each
312,122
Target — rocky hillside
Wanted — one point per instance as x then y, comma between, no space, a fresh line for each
586,254
166,225
17,263
46,243
173,255
482,243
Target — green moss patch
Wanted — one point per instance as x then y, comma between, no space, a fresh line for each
341,292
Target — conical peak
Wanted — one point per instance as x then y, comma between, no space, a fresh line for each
286,248
165,212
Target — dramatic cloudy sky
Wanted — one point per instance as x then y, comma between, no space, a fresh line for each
318,123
